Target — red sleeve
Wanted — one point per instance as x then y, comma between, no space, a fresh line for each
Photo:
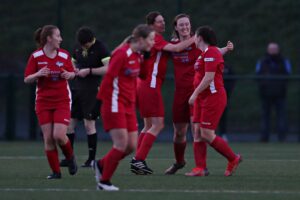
116,62
69,65
160,43
31,67
212,59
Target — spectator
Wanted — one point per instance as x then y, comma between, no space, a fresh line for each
273,91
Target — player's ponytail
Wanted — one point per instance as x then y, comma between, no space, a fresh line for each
208,35
37,37
41,34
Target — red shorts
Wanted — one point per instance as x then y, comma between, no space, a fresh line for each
182,111
150,101
208,110
60,116
125,118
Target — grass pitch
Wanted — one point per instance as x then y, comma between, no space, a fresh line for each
269,171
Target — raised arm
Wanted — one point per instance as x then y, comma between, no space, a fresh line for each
226,49
180,46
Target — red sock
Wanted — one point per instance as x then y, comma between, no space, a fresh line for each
145,147
223,148
179,149
200,151
52,156
67,150
110,163
140,139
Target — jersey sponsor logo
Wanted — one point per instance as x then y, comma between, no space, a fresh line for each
59,64
42,63
209,59
131,62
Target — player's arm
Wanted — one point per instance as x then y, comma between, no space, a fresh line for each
45,71
207,79
69,71
226,49
32,73
98,71
179,46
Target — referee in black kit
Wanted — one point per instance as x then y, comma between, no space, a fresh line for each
90,58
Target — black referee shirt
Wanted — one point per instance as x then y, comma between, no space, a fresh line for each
95,54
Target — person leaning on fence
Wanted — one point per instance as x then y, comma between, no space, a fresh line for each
273,91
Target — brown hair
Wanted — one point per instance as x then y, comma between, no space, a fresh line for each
41,34
141,30
208,35
151,16
175,33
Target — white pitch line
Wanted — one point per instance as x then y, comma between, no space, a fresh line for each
274,192
83,156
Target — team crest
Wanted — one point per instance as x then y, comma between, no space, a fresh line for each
59,64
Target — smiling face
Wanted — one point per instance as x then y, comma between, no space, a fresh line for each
55,39
159,24
183,27
145,44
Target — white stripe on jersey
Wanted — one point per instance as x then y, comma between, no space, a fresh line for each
212,87
38,53
128,52
63,55
70,95
36,92
155,70
115,96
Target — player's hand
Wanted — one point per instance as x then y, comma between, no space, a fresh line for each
67,75
83,72
230,46
192,99
45,71
76,70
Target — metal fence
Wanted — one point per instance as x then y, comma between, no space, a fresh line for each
18,120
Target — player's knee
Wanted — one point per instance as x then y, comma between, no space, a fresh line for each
207,136
130,149
158,126
179,136
49,142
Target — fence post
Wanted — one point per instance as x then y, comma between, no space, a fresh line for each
10,125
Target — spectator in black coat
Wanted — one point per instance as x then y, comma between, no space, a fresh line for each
273,91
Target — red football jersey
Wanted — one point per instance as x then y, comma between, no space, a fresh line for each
211,60
184,65
119,84
53,88
156,64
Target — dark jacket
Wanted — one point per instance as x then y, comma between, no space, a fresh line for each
273,66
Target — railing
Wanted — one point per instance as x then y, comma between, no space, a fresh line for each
18,120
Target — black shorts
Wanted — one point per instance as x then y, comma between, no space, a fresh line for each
85,105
